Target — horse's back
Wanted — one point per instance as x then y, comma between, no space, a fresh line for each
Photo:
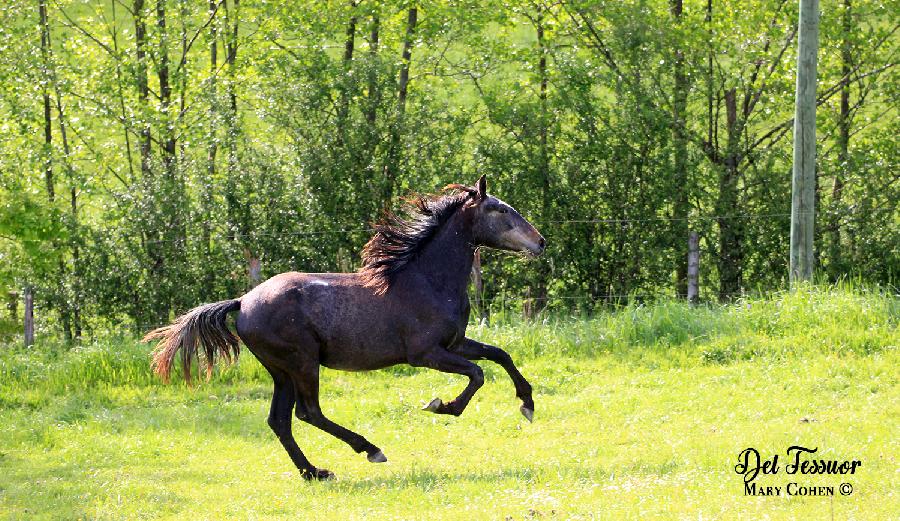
287,300
332,315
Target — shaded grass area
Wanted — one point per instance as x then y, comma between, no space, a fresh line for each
640,412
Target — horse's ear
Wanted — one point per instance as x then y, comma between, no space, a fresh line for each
481,186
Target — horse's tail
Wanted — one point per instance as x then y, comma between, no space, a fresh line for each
203,326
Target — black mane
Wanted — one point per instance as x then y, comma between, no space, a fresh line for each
400,237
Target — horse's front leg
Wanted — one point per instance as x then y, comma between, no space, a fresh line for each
447,362
474,350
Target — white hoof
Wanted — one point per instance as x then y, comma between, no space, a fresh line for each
434,405
378,457
527,413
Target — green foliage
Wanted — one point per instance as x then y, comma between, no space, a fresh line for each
283,147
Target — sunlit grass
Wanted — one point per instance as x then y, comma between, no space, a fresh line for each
640,413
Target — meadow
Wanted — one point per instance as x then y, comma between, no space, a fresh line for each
641,413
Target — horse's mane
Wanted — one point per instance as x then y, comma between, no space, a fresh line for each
400,237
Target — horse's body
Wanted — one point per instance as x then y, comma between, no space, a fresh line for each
330,314
408,304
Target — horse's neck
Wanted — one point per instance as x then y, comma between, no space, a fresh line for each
446,260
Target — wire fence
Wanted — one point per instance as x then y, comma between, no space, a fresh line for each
350,229
494,304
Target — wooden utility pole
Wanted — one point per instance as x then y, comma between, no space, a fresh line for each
803,189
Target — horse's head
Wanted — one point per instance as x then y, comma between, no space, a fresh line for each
496,224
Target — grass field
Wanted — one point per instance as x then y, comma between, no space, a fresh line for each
641,413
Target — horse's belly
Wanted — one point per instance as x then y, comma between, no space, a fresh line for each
359,358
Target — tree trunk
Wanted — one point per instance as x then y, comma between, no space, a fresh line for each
165,92
844,123
182,76
61,302
679,138
48,123
213,146
232,88
543,154
345,83
411,21
76,263
350,40
143,87
121,94
730,261
153,230
393,156
69,307
235,222
374,98
804,172
709,78
75,304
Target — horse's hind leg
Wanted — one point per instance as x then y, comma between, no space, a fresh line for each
280,422
306,384
474,350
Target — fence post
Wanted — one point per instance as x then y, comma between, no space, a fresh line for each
29,316
253,272
478,282
253,268
527,305
693,271
13,305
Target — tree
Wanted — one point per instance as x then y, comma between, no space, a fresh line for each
144,170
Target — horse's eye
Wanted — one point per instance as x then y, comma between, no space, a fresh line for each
501,209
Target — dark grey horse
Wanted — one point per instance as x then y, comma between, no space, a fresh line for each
407,305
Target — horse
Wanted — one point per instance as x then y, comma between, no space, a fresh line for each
407,304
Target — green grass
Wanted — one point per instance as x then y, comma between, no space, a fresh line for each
640,414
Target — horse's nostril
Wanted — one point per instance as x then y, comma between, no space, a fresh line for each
542,243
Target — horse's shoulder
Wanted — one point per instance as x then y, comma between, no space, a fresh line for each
436,319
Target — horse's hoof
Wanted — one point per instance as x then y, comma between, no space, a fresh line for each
434,405
377,457
318,475
527,413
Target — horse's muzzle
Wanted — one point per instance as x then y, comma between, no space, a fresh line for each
536,249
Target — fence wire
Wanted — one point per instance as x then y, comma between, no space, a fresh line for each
484,302
370,229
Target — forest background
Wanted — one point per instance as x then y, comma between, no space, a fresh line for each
158,154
